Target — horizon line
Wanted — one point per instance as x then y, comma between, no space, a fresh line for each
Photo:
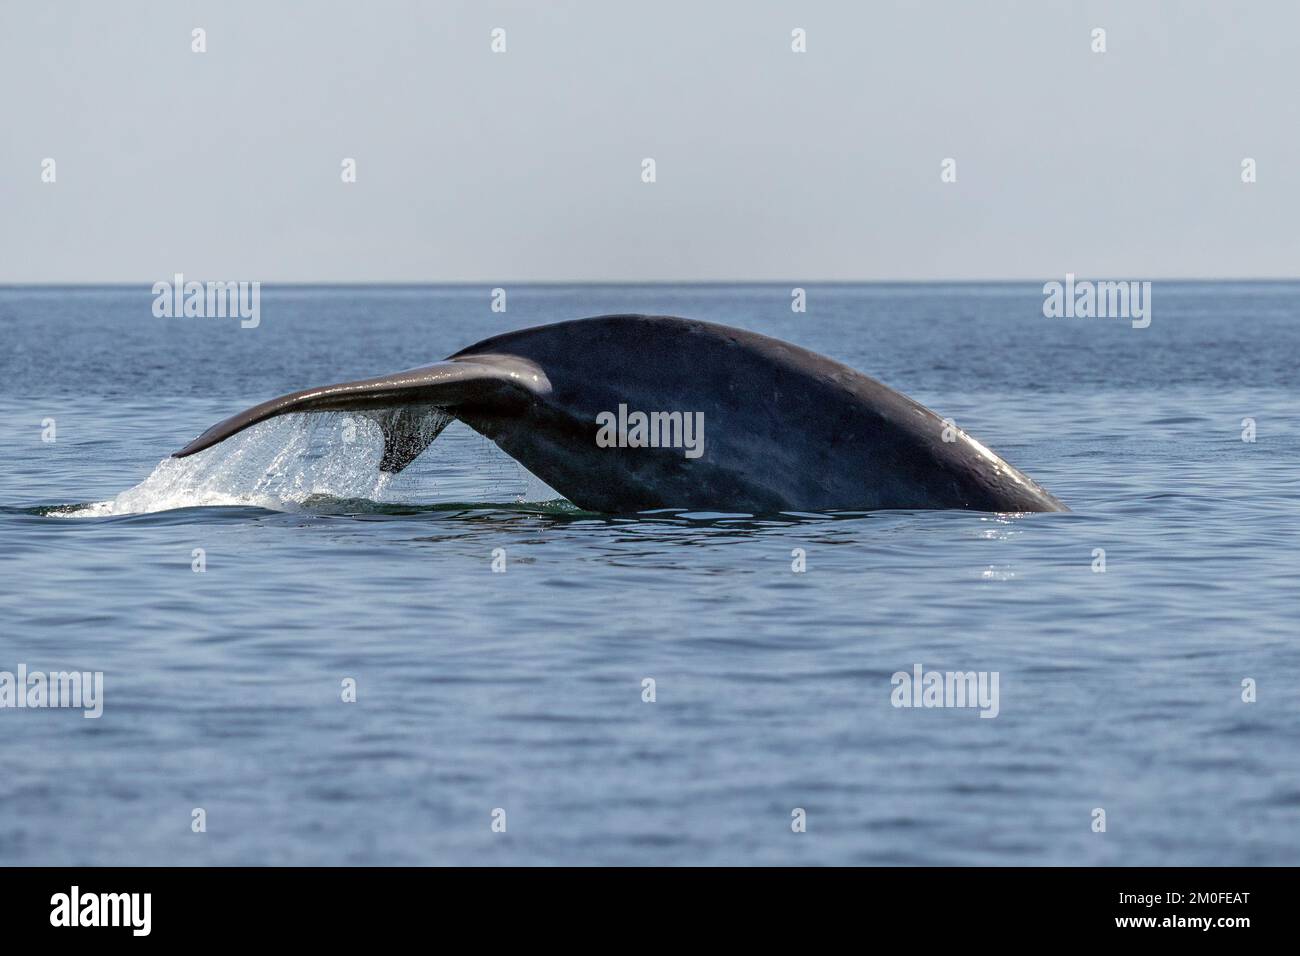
491,283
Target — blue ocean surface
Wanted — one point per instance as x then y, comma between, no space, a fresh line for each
520,696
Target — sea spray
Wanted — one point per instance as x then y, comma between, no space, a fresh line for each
305,462
278,465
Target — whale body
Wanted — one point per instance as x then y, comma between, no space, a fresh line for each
780,428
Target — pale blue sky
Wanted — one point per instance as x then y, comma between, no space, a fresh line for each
483,167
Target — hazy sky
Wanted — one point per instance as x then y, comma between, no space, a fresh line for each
527,165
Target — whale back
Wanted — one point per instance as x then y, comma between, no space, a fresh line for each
784,428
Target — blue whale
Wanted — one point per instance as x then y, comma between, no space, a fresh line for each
627,413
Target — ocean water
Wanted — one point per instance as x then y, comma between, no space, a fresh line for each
522,691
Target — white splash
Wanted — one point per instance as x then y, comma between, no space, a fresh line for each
306,461
278,465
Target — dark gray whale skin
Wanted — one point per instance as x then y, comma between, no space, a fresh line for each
785,429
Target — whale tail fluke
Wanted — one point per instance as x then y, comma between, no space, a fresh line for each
412,407
408,431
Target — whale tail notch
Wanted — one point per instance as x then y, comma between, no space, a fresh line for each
411,407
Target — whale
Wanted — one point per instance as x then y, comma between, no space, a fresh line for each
634,413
